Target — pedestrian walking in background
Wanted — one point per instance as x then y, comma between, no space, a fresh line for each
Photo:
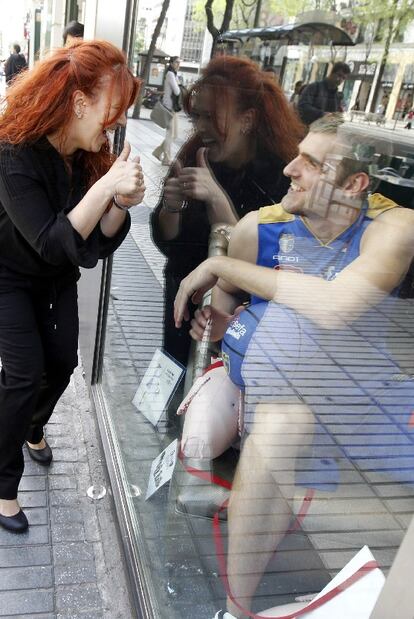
320,98
64,201
170,100
15,63
299,87
73,33
410,117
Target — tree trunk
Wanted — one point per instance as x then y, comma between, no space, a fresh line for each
257,14
211,27
145,70
208,7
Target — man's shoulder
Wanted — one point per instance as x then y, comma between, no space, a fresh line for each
247,228
273,214
378,204
388,220
314,86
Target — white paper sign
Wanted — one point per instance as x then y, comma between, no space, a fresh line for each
157,386
355,602
358,600
162,468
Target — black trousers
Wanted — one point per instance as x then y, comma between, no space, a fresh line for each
39,329
176,341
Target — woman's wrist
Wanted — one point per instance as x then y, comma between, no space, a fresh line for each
220,208
169,209
105,188
118,205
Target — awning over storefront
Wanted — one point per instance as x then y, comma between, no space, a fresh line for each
312,32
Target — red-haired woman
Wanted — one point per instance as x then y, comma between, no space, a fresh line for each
245,133
63,204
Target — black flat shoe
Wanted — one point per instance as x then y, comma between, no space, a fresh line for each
43,456
16,524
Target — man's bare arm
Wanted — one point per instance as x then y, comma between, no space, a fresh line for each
387,248
386,252
226,298
243,245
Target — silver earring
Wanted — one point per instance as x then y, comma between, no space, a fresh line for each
78,113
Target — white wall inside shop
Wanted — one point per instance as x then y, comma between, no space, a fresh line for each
105,20
90,18
58,23
52,24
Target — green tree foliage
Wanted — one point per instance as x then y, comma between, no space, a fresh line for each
392,17
244,11
146,65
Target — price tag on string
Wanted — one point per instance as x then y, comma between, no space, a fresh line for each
158,385
162,468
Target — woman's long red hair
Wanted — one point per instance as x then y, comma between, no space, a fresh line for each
240,83
40,101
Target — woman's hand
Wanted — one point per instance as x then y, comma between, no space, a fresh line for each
220,321
126,179
198,183
193,287
173,192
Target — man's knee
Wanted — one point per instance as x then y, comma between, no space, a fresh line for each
275,419
211,411
207,435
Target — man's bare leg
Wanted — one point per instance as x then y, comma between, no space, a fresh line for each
259,508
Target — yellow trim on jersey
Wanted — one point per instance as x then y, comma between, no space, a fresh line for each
378,204
274,214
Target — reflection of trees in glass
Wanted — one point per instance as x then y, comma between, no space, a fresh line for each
249,13
146,63
140,35
392,17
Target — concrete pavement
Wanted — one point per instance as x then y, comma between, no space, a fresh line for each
64,567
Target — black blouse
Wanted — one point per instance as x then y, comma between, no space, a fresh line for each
258,184
36,193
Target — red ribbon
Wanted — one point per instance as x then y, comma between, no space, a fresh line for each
205,475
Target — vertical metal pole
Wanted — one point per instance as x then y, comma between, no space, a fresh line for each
119,138
199,357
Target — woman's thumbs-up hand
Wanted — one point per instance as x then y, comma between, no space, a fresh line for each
126,178
198,183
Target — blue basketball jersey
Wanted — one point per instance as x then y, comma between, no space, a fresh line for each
285,241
